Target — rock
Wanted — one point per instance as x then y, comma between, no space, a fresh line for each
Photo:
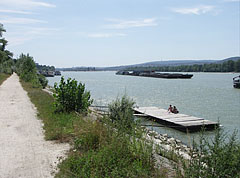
171,140
178,147
165,135
178,141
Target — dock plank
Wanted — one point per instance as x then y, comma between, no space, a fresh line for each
179,121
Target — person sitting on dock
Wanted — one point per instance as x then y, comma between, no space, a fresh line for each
175,111
170,109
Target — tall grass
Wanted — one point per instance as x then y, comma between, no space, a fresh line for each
218,157
3,77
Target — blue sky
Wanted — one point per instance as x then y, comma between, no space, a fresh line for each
67,33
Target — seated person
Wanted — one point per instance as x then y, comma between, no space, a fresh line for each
175,111
170,109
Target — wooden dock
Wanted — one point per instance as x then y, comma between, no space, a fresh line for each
180,122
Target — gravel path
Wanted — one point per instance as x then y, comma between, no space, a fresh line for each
23,150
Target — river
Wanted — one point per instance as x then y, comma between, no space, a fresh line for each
207,95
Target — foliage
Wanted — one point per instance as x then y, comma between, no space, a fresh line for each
121,112
218,158
98,151
227,66
71,96
45,67
3,77
101,152
57,126
43,81
6,61
26,69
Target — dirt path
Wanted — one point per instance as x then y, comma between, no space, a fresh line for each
23,150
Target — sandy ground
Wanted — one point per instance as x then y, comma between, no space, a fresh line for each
23,150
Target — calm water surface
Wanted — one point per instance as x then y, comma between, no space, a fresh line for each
207,95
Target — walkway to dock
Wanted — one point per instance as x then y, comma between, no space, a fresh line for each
180,122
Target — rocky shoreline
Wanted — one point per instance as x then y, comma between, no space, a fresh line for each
169,144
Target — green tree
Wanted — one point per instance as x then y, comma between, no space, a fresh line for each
71,96
6,61
237,66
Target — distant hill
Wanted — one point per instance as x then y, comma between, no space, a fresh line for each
150,64
229,59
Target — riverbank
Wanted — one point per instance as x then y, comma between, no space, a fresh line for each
97,150
24,152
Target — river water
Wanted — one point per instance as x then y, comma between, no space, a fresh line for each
207,95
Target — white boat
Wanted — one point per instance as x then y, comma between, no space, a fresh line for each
236,82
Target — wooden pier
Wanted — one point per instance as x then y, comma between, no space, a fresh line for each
180,122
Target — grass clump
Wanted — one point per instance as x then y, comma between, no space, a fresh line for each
218,157
101,152
121,113
3,77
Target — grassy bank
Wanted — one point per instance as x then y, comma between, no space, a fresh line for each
3,77
97,149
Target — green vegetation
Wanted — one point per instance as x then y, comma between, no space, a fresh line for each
3,77
6,61
121,113
219,157
99,150
26,69
44,68
227,66
71,96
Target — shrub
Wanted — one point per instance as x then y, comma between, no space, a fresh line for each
121,112
218,158
71,96
43,81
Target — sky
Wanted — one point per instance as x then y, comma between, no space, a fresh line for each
70,33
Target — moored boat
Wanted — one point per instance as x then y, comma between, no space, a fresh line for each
236,82
57,72
156,74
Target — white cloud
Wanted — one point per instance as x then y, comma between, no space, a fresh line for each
14,11
106,35
27,34
16,20
24,4
194,10
124,24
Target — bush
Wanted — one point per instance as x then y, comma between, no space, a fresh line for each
43,81
218,158
71,96
121,112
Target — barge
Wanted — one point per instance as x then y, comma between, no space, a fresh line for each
155,74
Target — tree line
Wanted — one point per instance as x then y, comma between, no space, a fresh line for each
24,65
227,66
